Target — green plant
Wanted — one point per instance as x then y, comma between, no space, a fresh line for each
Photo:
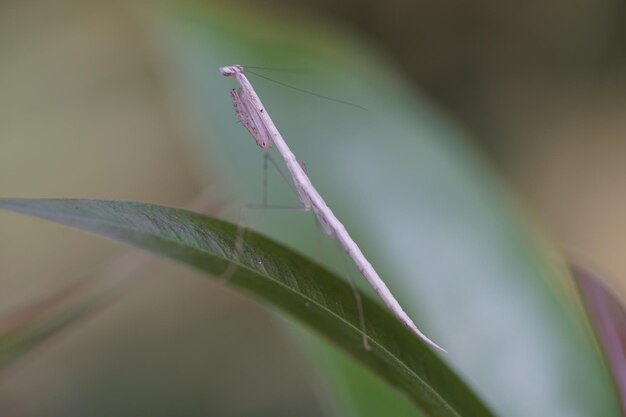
455,245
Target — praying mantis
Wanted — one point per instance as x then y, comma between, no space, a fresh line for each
253,115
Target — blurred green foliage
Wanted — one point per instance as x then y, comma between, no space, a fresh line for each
124,101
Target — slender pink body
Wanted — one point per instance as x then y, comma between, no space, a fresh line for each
308,195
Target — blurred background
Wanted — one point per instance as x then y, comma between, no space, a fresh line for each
493,144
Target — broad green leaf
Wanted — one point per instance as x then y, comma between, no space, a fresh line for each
430,214
280,277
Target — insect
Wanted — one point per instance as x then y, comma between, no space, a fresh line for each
253,115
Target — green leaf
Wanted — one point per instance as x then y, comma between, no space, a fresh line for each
438,225
280,277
